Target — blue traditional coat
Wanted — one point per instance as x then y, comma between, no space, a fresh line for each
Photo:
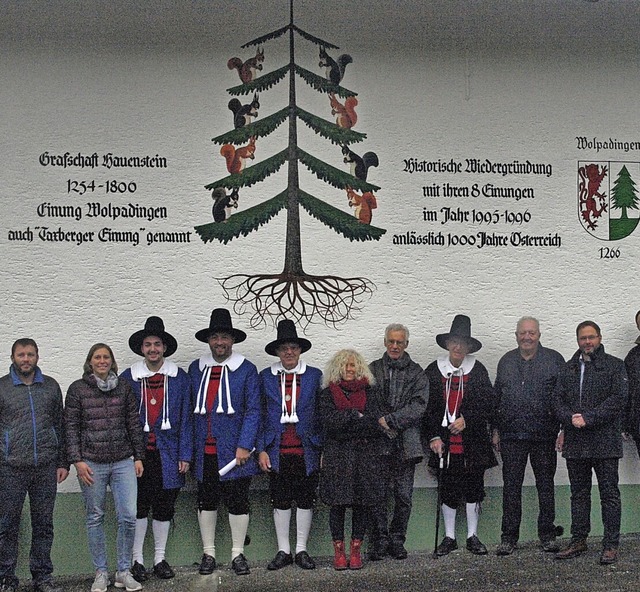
235,417
307,426
174,433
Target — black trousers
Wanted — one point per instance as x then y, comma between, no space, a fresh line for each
544,459
606,470
234,493
152,497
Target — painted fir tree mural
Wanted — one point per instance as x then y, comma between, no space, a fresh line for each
624,196
292,293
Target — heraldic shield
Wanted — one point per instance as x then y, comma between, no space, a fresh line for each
608,203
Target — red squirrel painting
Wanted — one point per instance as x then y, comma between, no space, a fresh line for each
236,157
247,70
363,204
346,114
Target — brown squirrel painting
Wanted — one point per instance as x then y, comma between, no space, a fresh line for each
247,70
236,157
346,114
363,205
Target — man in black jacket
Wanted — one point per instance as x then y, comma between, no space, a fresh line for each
591,398
526,429
32,462
406,392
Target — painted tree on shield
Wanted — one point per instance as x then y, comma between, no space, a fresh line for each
292,293
624,194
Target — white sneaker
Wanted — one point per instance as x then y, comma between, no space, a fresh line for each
101,583
125,580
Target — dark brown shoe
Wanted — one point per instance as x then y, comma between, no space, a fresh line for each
574,549
608,556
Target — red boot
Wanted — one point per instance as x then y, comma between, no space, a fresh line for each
339,558
355,560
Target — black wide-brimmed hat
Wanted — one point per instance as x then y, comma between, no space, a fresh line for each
287,334
153,326
461,327
220,323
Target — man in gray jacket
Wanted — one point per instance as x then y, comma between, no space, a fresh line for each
526,429
32,462
406,392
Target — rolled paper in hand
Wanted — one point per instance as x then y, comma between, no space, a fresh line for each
230,465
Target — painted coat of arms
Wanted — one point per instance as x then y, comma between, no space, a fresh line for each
608,203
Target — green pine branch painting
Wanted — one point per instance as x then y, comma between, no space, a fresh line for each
293,293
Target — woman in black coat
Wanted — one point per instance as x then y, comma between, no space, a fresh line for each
354,461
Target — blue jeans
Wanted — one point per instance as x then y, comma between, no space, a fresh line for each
121,477
15,483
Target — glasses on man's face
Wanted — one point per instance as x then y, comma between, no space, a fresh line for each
396,342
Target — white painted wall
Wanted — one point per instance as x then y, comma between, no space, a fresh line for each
436,80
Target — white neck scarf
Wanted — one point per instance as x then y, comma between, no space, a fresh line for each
231,364
140,372
278,368
448,370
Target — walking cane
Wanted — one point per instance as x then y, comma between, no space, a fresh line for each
439,503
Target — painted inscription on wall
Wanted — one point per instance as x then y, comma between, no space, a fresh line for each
503,195
99,187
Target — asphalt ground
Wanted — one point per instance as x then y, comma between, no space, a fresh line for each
529,569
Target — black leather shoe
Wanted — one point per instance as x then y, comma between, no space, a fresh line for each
446,546
281,560
163,570
304,561
207,565
475,546
505,548
397,551
46,586
575,548
139,572
379,549
240,566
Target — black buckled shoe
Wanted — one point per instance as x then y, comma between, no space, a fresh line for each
163,570
207,565
139,572
446,546
240,566
475,546
303,560
281,560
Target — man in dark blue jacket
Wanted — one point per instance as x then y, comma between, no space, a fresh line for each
32,462
591,399
526,429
